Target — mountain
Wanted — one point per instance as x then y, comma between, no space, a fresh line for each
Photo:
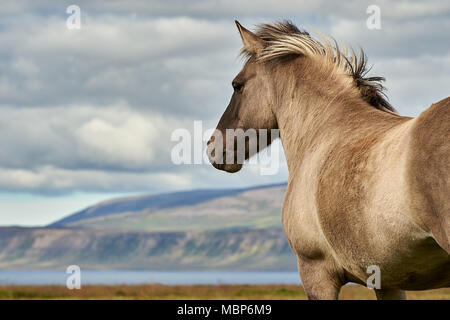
148,212
42,248
228,229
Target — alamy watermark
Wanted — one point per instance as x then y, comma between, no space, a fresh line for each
374,280
74,279
74,20
373,22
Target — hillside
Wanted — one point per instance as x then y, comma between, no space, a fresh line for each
150,202
37,248
238,229
254,208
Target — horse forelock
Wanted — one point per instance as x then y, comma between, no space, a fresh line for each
283,39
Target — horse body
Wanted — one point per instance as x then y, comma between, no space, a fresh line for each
348,206
366,187
430,169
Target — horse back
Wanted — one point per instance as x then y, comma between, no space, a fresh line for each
429,169
370,198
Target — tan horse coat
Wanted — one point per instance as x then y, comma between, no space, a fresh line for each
366,186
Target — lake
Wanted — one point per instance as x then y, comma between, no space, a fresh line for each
111,277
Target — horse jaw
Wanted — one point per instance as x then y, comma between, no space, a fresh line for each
230,168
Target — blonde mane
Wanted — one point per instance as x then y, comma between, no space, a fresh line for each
283,39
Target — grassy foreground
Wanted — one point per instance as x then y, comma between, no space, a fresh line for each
226,292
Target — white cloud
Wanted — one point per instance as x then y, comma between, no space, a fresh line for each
114,58
403,37
115,138
415,83
129,141
93,109
397,9
56,180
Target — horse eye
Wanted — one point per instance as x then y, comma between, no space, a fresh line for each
237,86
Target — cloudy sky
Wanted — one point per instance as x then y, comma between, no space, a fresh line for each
87,114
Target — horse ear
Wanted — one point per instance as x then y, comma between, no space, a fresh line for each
251,42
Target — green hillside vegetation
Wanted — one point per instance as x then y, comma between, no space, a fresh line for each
256,209
97,249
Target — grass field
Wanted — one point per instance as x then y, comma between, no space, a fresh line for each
225,292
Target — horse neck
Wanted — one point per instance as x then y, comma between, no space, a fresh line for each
315,110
